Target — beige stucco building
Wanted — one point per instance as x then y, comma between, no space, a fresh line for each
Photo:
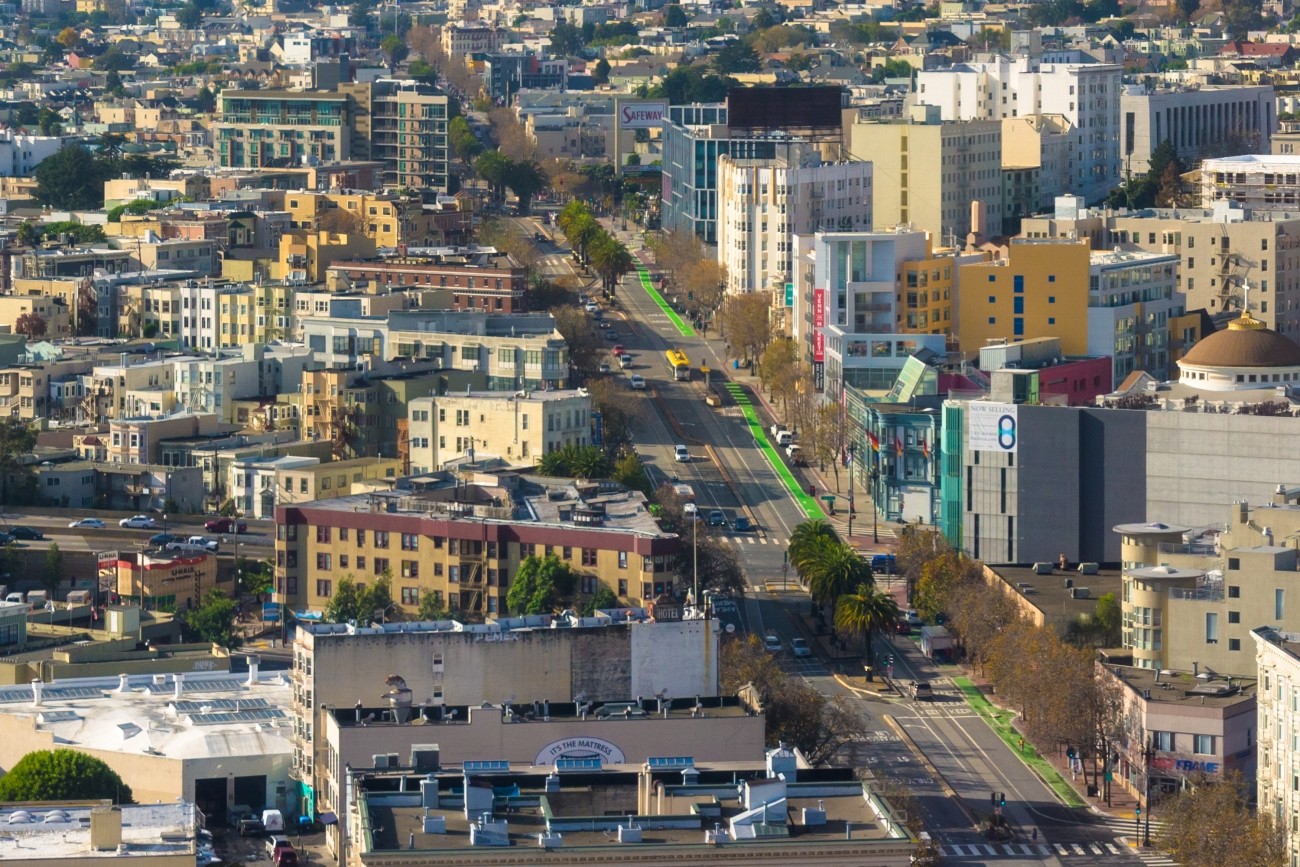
517,427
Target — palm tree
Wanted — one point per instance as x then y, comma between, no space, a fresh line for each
805,537
582,231
861,613
610,259
837,569
493,166
526,179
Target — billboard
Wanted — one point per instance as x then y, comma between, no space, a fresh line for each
819,346
757,110
819,308
992,427
641,115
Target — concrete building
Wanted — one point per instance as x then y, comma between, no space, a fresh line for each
1037,370
163,580
928,172
609,536
323,480
1132,301
1218,249
260,128
1085,93
763,204
1277,657
612,656
1260,182
1048,143
254,483
846,311
21,154
930,288
155,835
517,427
403,124
1202,121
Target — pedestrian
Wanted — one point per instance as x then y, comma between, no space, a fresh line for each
1035,835
1022,745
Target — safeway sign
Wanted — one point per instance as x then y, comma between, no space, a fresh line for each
641,115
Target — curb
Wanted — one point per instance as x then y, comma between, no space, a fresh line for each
934,772
859,691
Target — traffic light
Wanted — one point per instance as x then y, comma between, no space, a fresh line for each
1139,810
1002,799
993,799
1069,753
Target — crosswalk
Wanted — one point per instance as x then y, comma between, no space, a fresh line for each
1089,849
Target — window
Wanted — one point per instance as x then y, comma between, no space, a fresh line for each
410,595
1211,628
1234,591
361,563
622,559
361,538
410,542
323,562
1162,741
1203,745
322,534
1234,563
1234,616
381,565
588,556
343,561
324,589
410,569
1234,644
1279,603
381,538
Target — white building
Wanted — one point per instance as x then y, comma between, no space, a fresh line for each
1277,780
1258,182
763,204
517,427
213,383
846,308
21,154
997,86
1131,296
253,485
1196,121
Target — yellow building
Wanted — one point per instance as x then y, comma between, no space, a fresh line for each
54,312
305,255
335,479
253,314
374,215
928,289
1039,290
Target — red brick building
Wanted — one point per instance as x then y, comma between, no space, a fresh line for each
482,280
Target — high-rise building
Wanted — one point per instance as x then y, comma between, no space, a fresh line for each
1087,94
763,204
928,172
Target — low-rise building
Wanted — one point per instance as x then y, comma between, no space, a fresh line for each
163,580
1261,182
153,834
478,278
517,427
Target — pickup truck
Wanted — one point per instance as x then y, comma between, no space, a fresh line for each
195,544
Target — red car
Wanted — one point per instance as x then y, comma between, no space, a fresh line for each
225,525
618,349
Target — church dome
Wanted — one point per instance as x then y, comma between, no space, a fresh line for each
1245,343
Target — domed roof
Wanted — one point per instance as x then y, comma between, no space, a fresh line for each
1245,343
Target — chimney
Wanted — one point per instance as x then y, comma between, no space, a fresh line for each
37,687
179,681
253,662
124,683
1196,668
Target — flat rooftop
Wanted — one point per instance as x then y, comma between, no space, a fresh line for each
1049,594
541,712
48,831
1168,686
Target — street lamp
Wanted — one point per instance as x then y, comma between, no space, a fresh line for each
1148,752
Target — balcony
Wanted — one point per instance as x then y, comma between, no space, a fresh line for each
1196,594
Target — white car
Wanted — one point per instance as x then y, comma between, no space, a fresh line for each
138,522
772,643
88,524
637,382
691,511
681,454
625,361
799,648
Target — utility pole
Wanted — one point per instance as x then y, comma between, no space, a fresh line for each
875,511
852,449
695,561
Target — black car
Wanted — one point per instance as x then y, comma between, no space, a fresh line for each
27,534
159,540
742,525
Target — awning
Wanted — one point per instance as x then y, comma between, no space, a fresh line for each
328,818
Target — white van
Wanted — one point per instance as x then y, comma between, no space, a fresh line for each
273,821
37,598
784,438
79,597
15,597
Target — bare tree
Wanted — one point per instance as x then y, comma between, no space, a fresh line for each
746,325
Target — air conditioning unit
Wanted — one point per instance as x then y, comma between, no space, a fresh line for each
1088,568
1080,593
1043,568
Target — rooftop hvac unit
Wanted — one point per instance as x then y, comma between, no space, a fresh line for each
1088,568
1080,593
1043,568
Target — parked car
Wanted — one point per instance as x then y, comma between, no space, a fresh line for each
799,648
681,454
883,564
88,524
717,519
251,826
225,525
742,525
913,619
772,643
691,511
161,540
637,382
26,534
275,843
138,522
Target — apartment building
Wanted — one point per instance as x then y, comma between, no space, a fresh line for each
109,385
462,40
21,154
1047,143
53,313
402,124
451,538
259,128
763,204
1260,182
139,440
930,287
1277,658
254,483
1065,83
515,351
475,277
847,311
47,262
197,258
1218,249
929,172
1199,121
312,303
214,383
519,428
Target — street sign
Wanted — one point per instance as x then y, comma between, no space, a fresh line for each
271,612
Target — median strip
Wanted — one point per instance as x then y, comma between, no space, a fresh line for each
649,287
805,502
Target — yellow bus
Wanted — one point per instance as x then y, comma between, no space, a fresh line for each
680,364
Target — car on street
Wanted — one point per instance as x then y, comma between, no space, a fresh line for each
799,648
681,454
160,540
604,367
717,519
26,534
921,690
610,335
742,525
540,238
913,619
772,643
591,307
625,361
225,525
618,347
691,511
88,524
193,545
138,522
637,381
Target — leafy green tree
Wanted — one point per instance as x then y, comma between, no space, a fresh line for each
611,260
675,16
600,75
493,167
62,775
566,38
690,84
539,584
603,599
28,234
213,621
394,48
863,613
1107,616
463,142
345,602
16,442
805,538
50,122
71,179
1211,824
114,58
736,57
525,179
113,83
432,607
52,568
834,571
1187,8
630,471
